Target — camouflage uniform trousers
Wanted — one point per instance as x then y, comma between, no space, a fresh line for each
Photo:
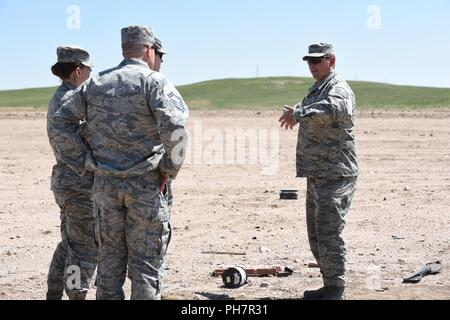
75,258
327,203
134,233
169,196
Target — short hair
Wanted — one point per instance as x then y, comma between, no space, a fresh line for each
134,50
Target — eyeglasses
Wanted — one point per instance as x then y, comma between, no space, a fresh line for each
160,54
157,52
316,60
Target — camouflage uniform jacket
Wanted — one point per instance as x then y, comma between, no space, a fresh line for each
135,121
63,177
326,141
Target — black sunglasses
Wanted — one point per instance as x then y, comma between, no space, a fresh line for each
316,60
160,54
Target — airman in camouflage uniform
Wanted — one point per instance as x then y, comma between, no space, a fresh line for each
326,157
73,194
160,52
135,131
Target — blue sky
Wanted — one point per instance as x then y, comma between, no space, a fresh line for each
214,39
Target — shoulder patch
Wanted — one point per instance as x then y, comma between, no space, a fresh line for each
174,97
176,101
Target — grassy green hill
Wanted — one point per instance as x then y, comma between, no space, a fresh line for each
267,93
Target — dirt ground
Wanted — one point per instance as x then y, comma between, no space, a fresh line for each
399,219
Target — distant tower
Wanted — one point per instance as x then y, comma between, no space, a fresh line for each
257,70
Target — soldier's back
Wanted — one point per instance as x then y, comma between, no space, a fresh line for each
121,128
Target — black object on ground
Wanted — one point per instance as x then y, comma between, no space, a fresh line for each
430,268
234,277
289,194
287,272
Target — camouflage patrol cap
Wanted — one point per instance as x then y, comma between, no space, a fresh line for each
159,47
137,34
317,50
68,54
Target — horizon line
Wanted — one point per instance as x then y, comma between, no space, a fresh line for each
253,78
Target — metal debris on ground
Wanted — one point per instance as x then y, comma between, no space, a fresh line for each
225,252
430,268
262,271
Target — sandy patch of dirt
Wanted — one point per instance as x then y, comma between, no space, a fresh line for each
398,220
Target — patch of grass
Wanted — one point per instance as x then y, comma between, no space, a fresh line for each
371,95
257,93
267,93
34,98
